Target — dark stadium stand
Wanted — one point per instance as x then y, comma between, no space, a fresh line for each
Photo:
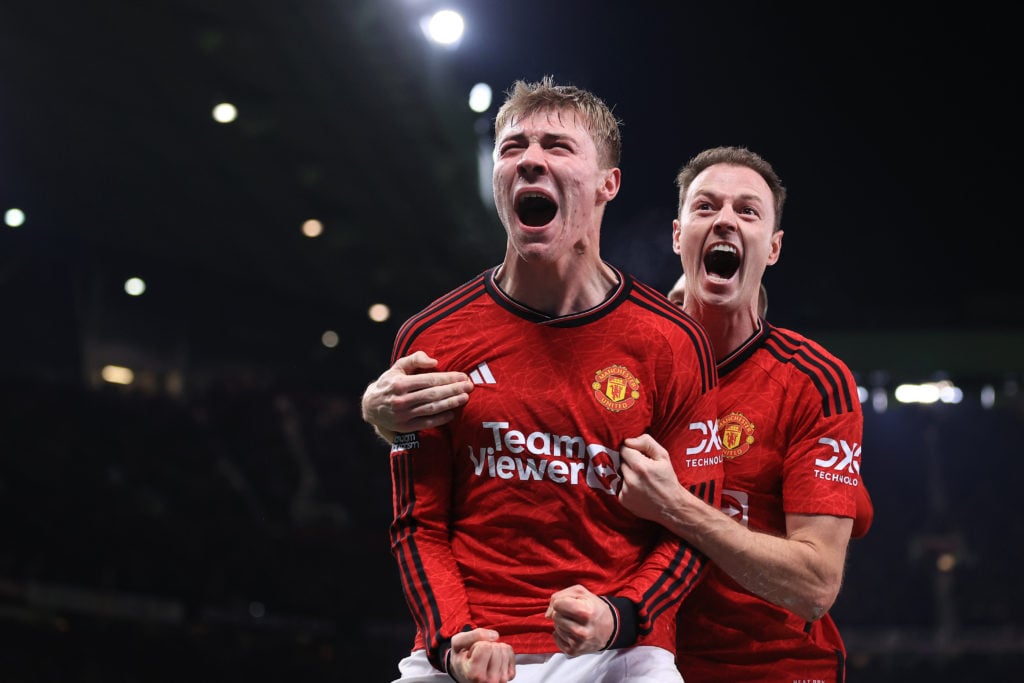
241,534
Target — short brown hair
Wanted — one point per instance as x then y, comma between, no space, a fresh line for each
736,156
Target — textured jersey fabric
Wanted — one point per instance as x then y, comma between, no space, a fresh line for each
516,498
791,429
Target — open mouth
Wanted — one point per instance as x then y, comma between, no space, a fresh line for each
722,261
535,209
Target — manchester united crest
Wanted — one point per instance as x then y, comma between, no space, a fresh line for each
616,388
737,434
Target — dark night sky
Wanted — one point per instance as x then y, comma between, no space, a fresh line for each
895,133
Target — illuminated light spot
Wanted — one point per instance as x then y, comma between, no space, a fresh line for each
379,313
929,392
135,286
225,112
480,98
945,562
879,400
329,339
444,27
14,217
312,228
988,396
115,374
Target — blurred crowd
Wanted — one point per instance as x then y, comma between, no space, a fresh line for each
240,533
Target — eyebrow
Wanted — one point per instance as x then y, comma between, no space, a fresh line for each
746,196
544,138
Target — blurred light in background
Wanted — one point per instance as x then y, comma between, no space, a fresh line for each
329,339
312,228
225,112
135,286
14,217
988,396
379,313
480,98
879,400
444,27
929,392
115,374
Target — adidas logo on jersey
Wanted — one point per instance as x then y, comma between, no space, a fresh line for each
481,374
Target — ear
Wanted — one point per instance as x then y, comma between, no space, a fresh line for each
775,249
677,233
610,187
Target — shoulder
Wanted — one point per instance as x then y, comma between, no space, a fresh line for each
660,311
788,344
441,311
811,364
671,335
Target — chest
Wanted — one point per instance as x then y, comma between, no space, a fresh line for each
557,385
752,428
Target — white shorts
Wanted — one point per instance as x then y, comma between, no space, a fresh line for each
641,664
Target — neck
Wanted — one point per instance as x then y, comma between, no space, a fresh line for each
727,328
557,289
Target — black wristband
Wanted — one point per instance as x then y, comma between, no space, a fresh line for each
625,612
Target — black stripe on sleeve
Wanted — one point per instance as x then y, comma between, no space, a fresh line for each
647,297
824,371
438,310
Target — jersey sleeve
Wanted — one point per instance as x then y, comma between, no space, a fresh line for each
865,512
821,471
421,465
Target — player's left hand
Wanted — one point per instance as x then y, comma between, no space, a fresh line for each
583,621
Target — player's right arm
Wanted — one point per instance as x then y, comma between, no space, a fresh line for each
800,571
421,529
411,395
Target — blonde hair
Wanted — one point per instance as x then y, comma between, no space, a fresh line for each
524,99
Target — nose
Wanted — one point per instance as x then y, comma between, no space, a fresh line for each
726,219
531,162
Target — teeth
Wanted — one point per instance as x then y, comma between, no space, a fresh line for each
724,247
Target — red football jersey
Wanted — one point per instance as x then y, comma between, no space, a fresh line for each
516,498
791,429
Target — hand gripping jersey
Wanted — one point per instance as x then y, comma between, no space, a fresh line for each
791,428
516,498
